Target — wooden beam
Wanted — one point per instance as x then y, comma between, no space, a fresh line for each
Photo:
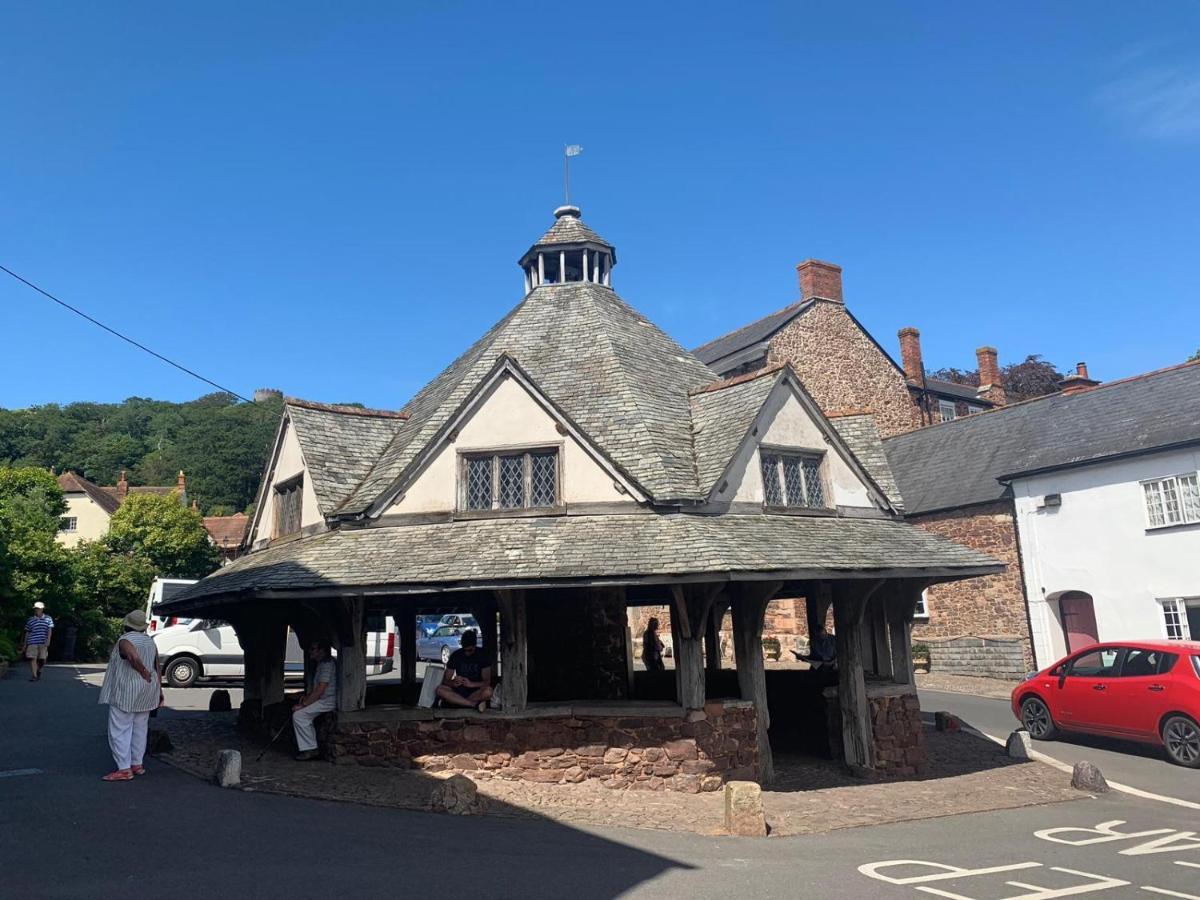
849,605
406,622
514,650
712,635
352,653
749,604
877,622
275,635
902,603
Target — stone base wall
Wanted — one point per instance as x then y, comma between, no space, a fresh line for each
993,605
970,655
899,735
692,752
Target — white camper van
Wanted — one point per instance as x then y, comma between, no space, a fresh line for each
193,649
162,590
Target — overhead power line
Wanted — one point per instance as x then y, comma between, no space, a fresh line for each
115,333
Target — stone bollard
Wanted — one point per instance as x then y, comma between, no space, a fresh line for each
457,795
219,701
1019,745
744,815
229,769
1086,777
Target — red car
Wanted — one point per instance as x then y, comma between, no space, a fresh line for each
1145,691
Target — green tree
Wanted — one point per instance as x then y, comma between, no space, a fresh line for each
169,536
33,565
1195,356
1032,377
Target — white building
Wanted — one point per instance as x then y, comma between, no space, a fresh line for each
1111,550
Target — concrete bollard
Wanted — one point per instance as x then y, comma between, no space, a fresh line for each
1086,777
1019,745
744,810
229,769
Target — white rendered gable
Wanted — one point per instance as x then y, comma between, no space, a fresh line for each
288,463
507,415
784,424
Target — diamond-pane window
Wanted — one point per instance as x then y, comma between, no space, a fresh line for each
544,479
512,482
479,482
792,480
772,494
507,481
812,481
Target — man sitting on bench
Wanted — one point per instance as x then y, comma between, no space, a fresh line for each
468,678
822,650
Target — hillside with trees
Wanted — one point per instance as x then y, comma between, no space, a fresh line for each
218,441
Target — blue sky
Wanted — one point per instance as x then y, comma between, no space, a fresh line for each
331,198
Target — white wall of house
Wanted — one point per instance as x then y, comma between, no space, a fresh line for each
785,424
1099,541
288,465
91,520
507,416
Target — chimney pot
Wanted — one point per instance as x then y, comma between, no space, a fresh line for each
1081,369
910,354
820,280
1078,382
122,485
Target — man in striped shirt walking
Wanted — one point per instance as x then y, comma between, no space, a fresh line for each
38,629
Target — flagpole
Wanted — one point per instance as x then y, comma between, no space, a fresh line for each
566,177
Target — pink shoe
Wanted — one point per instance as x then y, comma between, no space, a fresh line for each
138,770
119,775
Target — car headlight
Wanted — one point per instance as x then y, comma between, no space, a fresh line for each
1029,676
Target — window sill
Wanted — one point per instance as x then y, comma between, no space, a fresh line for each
799,511
1174,526
533,512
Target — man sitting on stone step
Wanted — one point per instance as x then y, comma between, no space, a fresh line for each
468,678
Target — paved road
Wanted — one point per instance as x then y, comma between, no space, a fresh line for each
69,835
1136,765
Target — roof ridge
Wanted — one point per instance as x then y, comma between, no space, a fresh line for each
722,384
344,410
721,337
1020,404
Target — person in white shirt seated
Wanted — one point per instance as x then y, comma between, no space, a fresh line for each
322,697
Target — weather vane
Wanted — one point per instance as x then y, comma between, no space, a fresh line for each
568,151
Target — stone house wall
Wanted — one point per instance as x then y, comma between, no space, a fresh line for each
842,368
989,606
644,750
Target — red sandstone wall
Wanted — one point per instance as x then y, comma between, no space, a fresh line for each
842,368
993,605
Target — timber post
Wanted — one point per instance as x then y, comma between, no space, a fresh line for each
750,601
902,604
514,650
878,625
352,657
689,614
274,653
849,605
712,635
407,623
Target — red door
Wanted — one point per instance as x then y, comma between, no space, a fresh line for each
1079,621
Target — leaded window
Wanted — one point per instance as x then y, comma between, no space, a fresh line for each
524,479
792,480
289,498
1172,501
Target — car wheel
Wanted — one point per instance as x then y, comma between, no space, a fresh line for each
1181,738
445,655
1036,718
182,672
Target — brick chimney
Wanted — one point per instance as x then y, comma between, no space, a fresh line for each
122,486
820,280
1078,382
910,354
991,385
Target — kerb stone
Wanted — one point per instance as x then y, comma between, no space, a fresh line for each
229,769
1019,745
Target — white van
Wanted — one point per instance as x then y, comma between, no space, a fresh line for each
209,648
161,590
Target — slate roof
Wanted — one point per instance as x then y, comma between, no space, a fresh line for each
862,437
489,552
614,374
71,483
570,229
957,463
748,335
340,445
721,419
963,391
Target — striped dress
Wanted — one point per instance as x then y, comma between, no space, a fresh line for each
123,687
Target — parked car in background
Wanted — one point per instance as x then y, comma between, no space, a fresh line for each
209,648
427,625
444,640
1147,691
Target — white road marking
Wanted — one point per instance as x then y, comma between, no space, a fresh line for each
1190,865
1063,767
1166,893
13,773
